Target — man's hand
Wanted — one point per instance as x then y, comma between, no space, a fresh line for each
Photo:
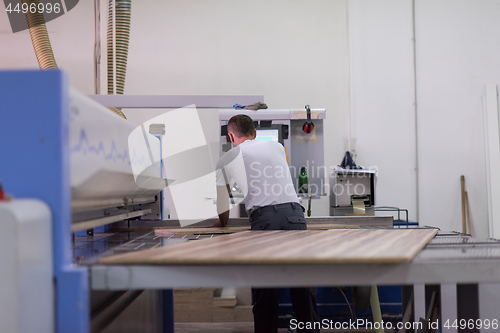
222,207
217,224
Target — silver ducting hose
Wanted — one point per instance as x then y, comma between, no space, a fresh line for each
117,47
45,56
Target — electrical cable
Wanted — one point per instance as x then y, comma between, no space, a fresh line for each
353,314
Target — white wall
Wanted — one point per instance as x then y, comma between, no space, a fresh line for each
458,44
382,98
422,153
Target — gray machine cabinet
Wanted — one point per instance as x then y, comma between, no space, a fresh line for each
347,185
308,151
301,149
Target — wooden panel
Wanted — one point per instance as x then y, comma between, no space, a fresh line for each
166,232
492,136
289,247
140,225
329,226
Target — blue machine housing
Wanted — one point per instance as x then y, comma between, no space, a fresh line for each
34,146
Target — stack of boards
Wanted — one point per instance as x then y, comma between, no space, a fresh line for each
169,231
200,305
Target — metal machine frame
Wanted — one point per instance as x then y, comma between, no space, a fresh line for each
36,165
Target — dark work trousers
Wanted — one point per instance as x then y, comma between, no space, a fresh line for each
287,216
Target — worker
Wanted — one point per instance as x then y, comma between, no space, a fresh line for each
261,171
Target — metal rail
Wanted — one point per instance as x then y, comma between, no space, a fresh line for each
175,101
94,223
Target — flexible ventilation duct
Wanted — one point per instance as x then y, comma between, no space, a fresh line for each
45,55
117,47
40,38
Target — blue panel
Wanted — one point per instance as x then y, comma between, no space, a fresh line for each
82,233
100,229
168,311
333,306
34,150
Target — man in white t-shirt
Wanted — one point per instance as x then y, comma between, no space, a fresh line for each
260,170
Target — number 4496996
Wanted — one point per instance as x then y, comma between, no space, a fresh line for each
34,8
472,324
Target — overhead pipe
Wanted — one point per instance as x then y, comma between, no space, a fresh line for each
43,48
97,47
118,37
40,38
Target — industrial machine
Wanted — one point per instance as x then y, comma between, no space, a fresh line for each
90,168
352,191
86,168
27,288
286,126
304,149
115,166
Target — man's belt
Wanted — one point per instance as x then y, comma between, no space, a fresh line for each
260,210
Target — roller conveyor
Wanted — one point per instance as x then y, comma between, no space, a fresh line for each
89,249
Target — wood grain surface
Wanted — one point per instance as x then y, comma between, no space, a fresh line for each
288,247
165,232
141,225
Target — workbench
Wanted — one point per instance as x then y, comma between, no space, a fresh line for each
453,263
446,259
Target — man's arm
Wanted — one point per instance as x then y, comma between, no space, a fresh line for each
222,206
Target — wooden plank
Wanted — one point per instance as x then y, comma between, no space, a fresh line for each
288,247
193,305
225,302
491,117
167,232
372,221
351,215
243,313
462,188
329,226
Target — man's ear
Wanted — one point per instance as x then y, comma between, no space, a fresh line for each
231,137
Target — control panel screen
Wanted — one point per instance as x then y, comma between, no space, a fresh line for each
267,135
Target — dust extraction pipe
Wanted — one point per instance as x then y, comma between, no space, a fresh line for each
40,38
45,55
118,42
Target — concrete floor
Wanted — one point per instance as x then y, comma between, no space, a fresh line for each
214,327
235,328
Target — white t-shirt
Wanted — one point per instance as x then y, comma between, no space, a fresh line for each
260,169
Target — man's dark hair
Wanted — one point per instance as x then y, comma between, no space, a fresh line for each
241,125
